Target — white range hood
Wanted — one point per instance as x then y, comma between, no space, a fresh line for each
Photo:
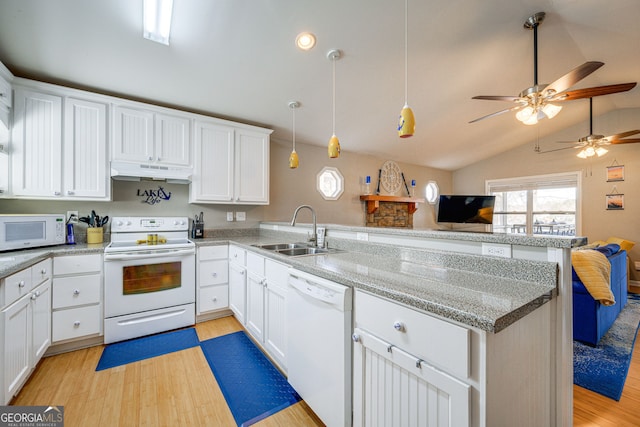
126,171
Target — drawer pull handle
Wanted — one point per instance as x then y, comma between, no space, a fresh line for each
399,326
76,292
390,348
214,274
34,296
21,284
419,363
355,338
43,271
76,324
214,299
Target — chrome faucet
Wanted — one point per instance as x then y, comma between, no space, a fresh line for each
314,237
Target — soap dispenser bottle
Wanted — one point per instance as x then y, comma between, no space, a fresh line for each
71,238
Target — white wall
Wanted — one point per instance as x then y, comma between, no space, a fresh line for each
597,222
288,189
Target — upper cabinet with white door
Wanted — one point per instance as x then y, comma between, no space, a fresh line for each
5,125
59,144
143,135
231,164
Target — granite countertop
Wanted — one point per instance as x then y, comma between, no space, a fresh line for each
488,293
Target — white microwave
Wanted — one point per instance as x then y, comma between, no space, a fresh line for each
31,231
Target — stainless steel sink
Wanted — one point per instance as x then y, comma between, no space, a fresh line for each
296,249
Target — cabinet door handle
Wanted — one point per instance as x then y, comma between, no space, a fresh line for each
34,296
70,193
76,292
76,324
214,299
150,157
214,274
399,326
21,284
355,338
43,271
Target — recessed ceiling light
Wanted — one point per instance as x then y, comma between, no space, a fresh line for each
305,41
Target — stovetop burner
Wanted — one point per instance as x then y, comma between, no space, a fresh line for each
149,233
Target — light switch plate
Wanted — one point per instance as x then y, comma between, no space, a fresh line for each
241,216
229,216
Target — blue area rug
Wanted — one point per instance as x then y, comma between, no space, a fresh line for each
604,368
124,352
253,388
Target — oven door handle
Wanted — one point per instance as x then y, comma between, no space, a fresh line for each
146,255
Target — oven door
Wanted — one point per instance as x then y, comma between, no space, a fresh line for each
146,280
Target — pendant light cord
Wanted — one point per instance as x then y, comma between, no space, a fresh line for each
333,60
294,128
406,50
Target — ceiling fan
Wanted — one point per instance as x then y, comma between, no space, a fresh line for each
593,145
535,102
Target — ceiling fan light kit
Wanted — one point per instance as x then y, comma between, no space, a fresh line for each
536,102
333,148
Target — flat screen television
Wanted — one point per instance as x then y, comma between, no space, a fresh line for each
466,209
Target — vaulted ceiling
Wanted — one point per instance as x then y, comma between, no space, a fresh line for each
237,60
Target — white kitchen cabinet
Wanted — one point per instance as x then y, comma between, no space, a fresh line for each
47,166
36,147
145,136
77,297
231,164
237,282
85,149
5,189
25,325
412,368
266,298
213,279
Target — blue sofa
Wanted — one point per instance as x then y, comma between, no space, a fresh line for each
591,320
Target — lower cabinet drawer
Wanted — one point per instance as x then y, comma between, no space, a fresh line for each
76,290
436,341
213,298
74,264
76,323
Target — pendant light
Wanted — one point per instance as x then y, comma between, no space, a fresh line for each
334,143
293,157
406,122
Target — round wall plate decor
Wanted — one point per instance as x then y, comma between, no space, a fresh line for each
391,178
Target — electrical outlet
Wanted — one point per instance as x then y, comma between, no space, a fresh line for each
496,249
229,216
637,265
241,216
73,219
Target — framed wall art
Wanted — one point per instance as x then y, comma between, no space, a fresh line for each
615,202
615,173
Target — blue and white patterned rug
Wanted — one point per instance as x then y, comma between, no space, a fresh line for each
604,368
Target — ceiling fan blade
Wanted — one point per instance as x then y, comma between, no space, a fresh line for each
499,98
590,92
572,77
622,135
556,149
497,113
625,141
568,142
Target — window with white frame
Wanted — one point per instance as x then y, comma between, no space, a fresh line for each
538,205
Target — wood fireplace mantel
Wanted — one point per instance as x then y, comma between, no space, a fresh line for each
373,202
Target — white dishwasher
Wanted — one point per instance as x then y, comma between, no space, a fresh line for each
319,345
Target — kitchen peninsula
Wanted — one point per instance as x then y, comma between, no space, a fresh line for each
502,317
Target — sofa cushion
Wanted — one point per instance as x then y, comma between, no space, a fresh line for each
624,244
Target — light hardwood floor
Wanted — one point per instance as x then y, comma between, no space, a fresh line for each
593,409
179,389
176,389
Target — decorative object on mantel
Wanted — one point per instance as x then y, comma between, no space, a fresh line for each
293,157
334,143
615,200
390,176
615,172
390,211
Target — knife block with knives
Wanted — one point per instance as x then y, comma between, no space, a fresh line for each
197,229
